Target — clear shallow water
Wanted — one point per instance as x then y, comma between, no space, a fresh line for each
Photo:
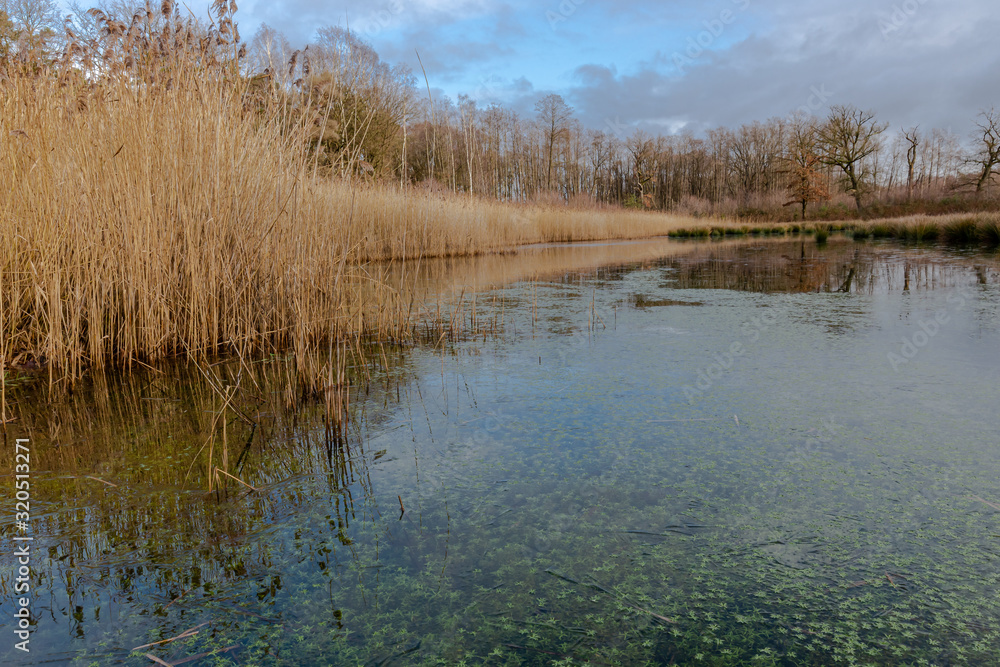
716,457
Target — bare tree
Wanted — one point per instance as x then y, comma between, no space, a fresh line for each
600,155
553,116
362,102
987,157
753,152
848,137
36,24
642,151
913,139
270,52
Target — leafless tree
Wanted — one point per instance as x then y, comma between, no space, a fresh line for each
848,137
270,52
986,159
32,27
553,117
754,151
8,35
913,139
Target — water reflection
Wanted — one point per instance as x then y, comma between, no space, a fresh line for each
838,266
552,493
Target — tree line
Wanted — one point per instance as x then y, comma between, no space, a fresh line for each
379,122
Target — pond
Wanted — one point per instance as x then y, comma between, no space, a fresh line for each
758,452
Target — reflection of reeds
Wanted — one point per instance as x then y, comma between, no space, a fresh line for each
118,448
192,428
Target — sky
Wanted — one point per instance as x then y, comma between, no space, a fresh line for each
671,66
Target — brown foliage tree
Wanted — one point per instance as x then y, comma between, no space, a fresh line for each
806,180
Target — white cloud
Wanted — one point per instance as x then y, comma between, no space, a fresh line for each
914,61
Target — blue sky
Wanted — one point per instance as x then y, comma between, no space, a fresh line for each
683,65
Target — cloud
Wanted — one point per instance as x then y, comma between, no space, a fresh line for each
298,19
926,66
679,65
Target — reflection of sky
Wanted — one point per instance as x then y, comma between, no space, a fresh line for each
571,444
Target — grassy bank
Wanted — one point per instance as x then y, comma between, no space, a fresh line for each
961,229
958,229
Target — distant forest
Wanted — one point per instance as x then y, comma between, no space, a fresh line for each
379,123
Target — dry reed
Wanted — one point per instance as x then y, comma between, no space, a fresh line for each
161,204
164,205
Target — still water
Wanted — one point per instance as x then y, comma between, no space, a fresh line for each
764,452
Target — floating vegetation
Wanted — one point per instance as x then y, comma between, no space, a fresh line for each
643,301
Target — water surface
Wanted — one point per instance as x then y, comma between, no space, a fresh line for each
760,452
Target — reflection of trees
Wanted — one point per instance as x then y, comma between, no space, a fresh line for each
156,543
802,266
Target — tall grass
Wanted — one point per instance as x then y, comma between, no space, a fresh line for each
989,231
388,223
161,209
162,204
959,229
